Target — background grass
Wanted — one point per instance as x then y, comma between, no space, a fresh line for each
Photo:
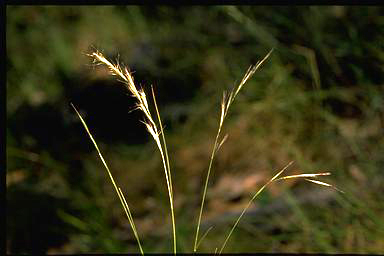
318,100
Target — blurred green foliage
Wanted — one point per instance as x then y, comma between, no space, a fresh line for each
319,100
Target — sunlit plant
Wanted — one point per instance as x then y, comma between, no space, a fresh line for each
157,132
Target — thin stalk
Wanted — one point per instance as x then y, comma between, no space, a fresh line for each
118,190
205,190
130,218
167,172
274,179
226,102
203,236
249,203
163,137
142,105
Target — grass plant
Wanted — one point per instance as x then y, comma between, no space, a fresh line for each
156,129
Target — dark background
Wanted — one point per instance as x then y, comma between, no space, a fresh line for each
318,100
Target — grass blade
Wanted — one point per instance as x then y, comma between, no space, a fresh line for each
118,190
203,236
324,184
304,175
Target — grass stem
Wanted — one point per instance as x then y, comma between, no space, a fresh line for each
150,124
117,189
225,104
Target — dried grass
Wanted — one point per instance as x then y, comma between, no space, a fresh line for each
156,130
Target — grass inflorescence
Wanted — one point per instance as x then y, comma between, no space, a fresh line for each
157,133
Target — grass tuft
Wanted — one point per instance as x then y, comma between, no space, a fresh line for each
157,129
